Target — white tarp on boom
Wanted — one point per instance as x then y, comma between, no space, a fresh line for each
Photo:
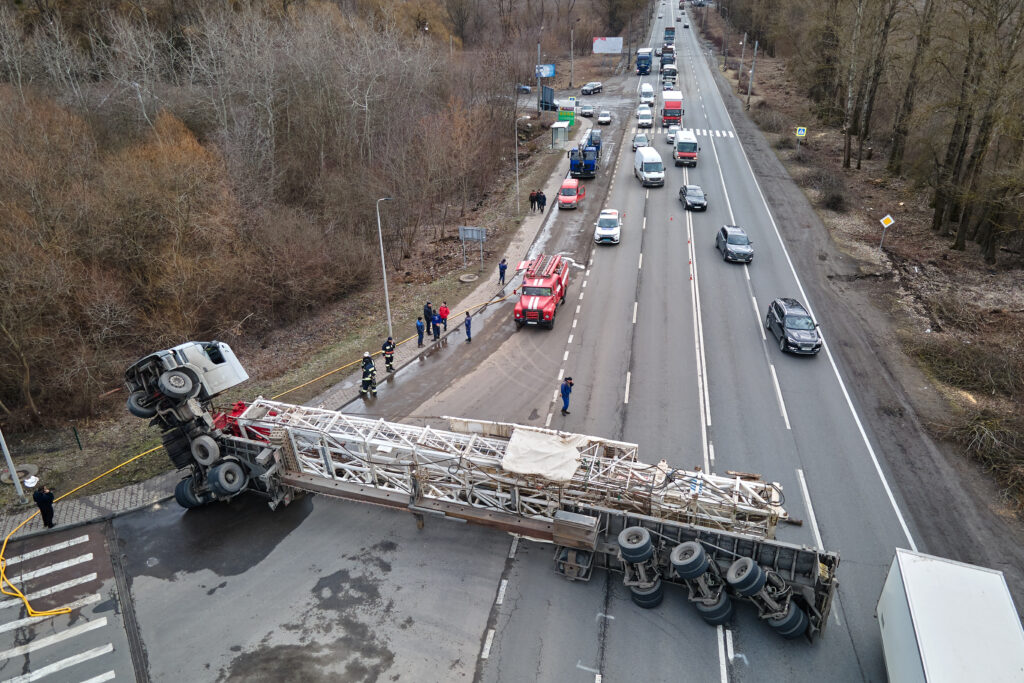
552,456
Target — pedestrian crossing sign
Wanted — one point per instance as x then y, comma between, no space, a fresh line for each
801,131
887,221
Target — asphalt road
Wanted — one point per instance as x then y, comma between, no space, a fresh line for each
665,343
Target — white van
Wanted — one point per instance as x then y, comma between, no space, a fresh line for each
646,93
648,168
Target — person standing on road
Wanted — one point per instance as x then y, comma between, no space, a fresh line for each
542,201
501,271
389,354
566,390
369,385
533,200
444,311
420,329
43,497
468,322
436,322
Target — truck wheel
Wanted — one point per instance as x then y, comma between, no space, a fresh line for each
635,544
185,494
648,597
205,450
175,384
519,324
717,613
136,405
227,478
745,577
792,624
689,560
176,444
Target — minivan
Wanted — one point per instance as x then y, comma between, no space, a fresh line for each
646,94
648,168
570,194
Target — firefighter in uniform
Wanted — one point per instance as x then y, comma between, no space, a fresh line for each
369,386
389,354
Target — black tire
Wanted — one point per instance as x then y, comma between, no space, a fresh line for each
746,577
227,478
176,444
782,343
185,494
205,450
176,385
519,324
767,325
718,613
635,544
137,407
648,597
793,624
689,560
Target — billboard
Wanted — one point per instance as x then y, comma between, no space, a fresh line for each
546,70
607,46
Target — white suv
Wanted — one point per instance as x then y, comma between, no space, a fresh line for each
608,227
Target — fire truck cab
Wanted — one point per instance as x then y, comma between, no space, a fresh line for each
544,283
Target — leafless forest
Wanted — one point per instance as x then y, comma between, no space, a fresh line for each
173,170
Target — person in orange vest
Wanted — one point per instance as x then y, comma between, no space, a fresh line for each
444,311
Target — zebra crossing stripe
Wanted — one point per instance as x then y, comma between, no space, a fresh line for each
47,550
40,643
63,664
108,676
12,625
51,590
55,567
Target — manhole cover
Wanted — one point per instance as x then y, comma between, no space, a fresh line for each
469,277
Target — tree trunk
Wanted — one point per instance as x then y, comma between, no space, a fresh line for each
876,77
848,121
26,375
900,128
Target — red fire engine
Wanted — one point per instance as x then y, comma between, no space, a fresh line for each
544,284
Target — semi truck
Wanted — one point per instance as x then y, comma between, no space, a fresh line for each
644,60
672,108
946,622
597,504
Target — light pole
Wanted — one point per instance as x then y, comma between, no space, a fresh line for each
515,135
14,473
383,266
572,29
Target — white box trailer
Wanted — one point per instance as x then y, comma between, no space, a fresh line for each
948,621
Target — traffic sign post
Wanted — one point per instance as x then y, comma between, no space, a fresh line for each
801,132
887,223
468,233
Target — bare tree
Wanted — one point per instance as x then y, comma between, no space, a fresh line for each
900,127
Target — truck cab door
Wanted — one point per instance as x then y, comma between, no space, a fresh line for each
583,191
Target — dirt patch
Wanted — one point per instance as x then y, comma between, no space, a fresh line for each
910,322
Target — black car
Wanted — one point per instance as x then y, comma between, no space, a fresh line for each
592,88
793,326
734,244
693,197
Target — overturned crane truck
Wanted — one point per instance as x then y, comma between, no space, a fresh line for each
592,498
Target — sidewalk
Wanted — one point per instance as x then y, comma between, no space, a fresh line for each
103,506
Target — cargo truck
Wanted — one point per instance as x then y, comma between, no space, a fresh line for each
672,111
670,34
644,60
945,621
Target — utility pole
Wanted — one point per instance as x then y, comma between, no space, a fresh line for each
572,39
743,53
750,83
515,133
538,73
14,472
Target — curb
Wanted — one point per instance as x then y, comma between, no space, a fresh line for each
92,520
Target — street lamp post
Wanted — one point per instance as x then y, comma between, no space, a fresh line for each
14,472
572,30
383,266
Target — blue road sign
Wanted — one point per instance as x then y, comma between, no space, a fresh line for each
545,71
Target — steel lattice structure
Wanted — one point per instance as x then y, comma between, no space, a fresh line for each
462,467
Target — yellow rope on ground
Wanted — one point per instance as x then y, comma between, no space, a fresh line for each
8,588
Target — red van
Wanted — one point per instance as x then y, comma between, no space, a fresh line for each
570,194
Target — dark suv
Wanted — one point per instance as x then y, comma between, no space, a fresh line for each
693,197
592,88
734,244
793,326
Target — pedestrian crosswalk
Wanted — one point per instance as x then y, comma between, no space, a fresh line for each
699,132
78,646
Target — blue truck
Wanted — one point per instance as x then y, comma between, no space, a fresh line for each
583,162
644,60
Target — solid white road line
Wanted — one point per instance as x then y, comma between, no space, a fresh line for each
18,623
40,643
487,644
55,567
47,550
810,508
728,645
62,664
723,669
50,591
626,400
778,394
832,362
